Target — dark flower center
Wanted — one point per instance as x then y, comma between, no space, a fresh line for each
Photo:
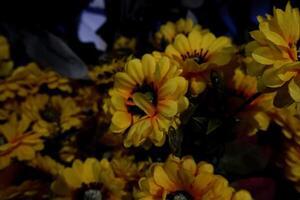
179,195
198,56
150,94
50,114
90,191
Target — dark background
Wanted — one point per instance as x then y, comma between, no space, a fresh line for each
135,18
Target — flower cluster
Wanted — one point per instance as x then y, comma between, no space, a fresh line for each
191,116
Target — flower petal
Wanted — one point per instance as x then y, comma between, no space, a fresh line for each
120,121
294,89
143,102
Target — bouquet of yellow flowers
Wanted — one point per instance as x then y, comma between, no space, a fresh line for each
196,117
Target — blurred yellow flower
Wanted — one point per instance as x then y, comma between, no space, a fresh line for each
21,82
198,53
292,163
289,121
146,99
123,42
52,113
50,78
27,190
276,50
104,74
127,168
88,179
256,115
6,65
46,164
167,32
184,179
88,99
18,141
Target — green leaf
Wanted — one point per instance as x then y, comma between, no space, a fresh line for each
175,140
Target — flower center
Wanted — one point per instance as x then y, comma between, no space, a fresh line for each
50,114
179,195
90,191
198,56
150,94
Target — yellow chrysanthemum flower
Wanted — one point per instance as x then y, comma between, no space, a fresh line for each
104,74
168,31
17,141
146,99
276,50
52,113
289,120
21,82
198,53
88,99
51,79
91,178
184,179
8,108
46,164
127,168
27,190
255,116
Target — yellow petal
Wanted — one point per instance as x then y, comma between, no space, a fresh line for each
181,43
122,80
24,152
118,103
172,52
270,78
195,38
143,102
135,71
121,121
167,108
161,178
294,89
71,178
148,63
264,55
242,195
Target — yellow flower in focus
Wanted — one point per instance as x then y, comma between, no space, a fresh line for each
46,164
88,179
256,115
168,31
146,100
184,179
198,53
276,50
17,141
